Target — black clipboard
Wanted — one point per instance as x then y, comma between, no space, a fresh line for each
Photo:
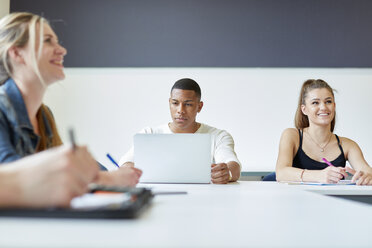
140,200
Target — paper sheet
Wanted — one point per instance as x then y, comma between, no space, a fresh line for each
89,201
341,182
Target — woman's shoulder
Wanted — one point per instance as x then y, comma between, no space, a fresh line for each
290,136
347,143
290,132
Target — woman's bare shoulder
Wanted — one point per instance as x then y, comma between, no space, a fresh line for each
347,143
290,133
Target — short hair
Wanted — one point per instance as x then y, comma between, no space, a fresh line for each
187,84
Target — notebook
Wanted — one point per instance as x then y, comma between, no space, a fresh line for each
127,203
173,158
341,182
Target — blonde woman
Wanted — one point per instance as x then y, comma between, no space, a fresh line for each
303,149
31,59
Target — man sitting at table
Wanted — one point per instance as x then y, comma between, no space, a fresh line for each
185,103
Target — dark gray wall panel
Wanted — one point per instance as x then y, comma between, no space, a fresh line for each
210,33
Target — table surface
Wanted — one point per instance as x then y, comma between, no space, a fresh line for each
336,189
242,214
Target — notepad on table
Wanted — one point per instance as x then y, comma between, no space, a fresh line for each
341,182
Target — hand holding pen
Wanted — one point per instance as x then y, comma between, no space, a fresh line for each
125,175
72,138
332,174
112,160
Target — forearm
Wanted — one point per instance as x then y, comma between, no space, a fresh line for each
296,175
103,178
234,167
10,193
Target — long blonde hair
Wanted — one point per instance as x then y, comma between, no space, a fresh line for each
17,29
301,120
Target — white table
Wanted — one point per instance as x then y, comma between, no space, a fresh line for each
349,192
244,214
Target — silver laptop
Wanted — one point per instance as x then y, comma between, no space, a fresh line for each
173,158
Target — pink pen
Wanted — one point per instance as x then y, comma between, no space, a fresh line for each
327,162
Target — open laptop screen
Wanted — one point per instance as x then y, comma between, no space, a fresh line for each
173,158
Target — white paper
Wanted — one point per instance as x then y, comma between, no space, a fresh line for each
341,182
99,200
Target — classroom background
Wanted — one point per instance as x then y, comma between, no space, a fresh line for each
250,77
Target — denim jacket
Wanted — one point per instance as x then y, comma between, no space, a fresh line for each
17,138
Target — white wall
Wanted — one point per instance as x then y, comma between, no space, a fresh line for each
4,7
107,106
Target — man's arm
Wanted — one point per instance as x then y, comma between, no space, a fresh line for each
234,168
227,167
223,173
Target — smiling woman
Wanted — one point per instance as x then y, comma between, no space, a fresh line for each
303,150
31,59
25,71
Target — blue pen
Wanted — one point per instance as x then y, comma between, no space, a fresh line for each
112,160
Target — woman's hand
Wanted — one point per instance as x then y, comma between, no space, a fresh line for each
332,174
360,177
54,177
124,176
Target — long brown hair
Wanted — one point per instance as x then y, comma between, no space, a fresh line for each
47,142
301,120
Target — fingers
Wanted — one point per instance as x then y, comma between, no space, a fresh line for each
364,179
357,176
334,174
67,187
220,180
86,164
218,167
136,174
129,164
350,170
124,176
367,180
77,170
137,171
220,173
343,173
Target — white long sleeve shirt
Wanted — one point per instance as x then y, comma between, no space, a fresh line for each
222,143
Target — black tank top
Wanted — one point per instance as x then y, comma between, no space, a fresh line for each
302,161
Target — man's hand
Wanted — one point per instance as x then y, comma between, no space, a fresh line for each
220,173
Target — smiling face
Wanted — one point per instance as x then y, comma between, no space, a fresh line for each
184,106
50,62
319,107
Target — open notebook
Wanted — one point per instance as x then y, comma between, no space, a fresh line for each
102,203
341,182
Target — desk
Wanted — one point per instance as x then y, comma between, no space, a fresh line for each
254,214
350,192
